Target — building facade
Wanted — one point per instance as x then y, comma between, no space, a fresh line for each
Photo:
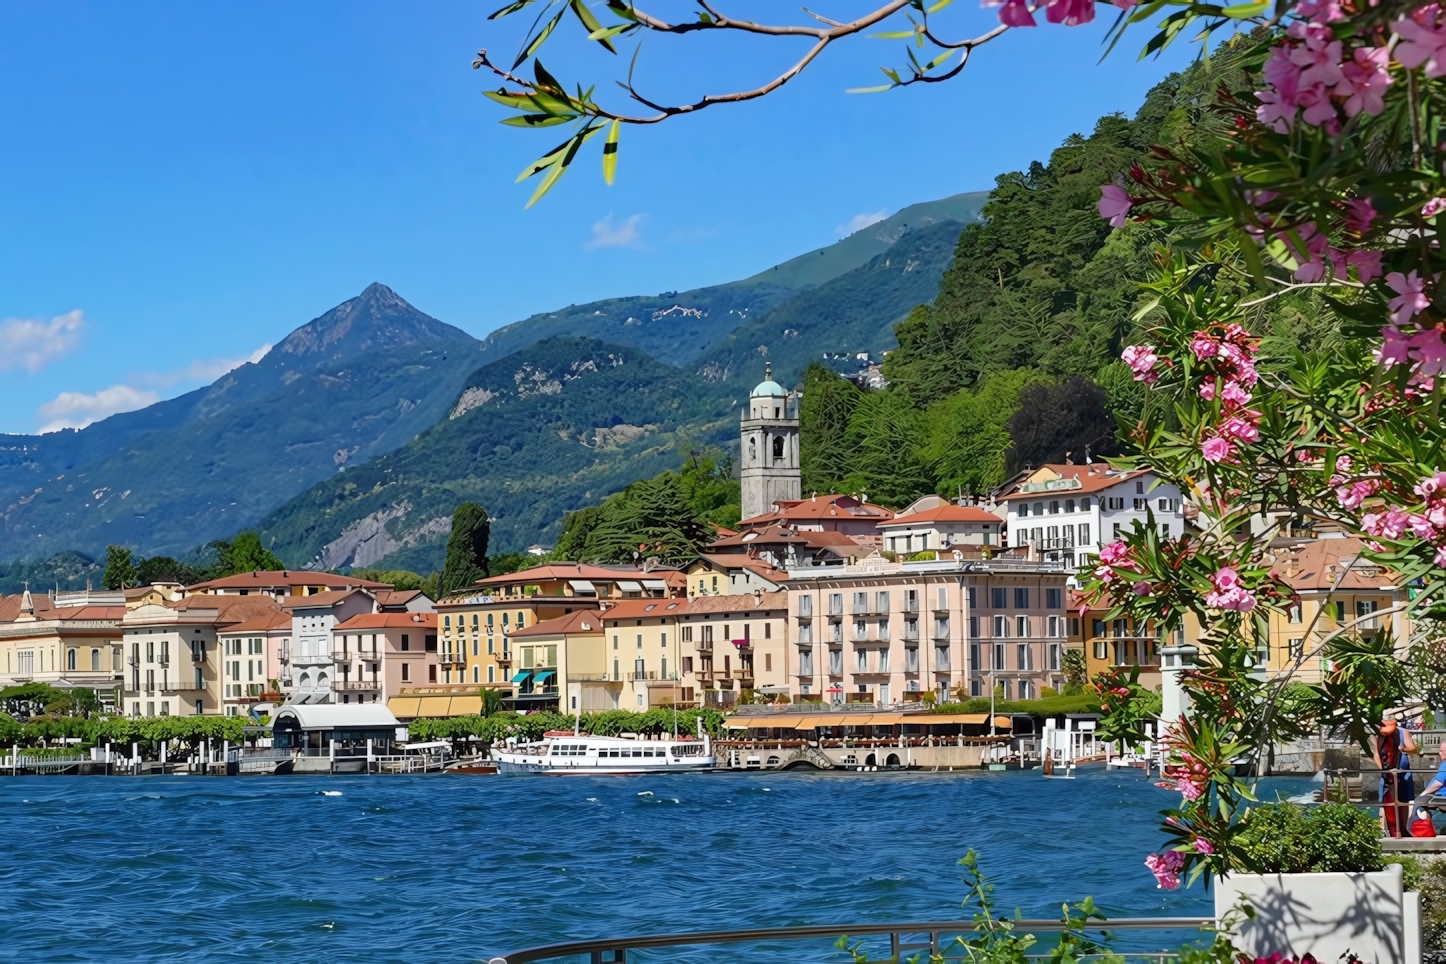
375,655
70,641
309,671
935,523
885,632
251,661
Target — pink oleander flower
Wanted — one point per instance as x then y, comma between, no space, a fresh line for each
1234,393
1216,449
1166,867
1225,579
1367,265
1071,13
1420,45
1351,496
1240,429
1207,391
1360,215
1141,588
1114,553
1203,846
1422,528
1319,57
1142,360
1433,207
1410,296
1429,352
1013,13
1390,524
1395,349
1276,111
1364,81
1440,557
1204,346
1114,204
1125,4
1431,484
1189,788
1321,11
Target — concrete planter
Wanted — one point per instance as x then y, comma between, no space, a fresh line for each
1326,915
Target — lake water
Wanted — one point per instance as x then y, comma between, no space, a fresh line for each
457,869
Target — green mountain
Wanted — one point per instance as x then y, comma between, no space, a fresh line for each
362,379
556,426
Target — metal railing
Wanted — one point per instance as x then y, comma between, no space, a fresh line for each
903,938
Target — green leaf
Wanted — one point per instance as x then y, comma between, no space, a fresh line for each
544,79
938,60
532,45
591,24
1243,11
511,8
607,33
610,153
894,35
870,90
940,6
538,120
515,101
560,165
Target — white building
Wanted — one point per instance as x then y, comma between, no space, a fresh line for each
308,670
1064,513
933,522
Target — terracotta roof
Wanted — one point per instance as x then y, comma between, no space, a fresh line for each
1092,478
318,599
86,612
275,578
821,507
944,513
783,534
741,603
1318,564
389,621
396,597
229,609
574,570
10,606
583,621
737,560
266,622
645,608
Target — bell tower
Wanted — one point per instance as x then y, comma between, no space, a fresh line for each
769,470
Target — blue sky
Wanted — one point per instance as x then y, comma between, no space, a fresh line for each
183,184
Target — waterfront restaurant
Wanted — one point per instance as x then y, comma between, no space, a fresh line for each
310,728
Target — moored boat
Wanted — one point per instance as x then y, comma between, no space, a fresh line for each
575,754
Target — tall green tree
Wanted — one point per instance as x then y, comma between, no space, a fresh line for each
886,435
648,518
245,553
120,568
1055,421
968,433
466,548
825,453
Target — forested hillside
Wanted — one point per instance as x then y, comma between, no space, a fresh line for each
1015,362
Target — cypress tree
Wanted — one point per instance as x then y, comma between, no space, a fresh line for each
466,548
824,452
120,568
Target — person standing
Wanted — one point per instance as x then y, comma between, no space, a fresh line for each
1394,745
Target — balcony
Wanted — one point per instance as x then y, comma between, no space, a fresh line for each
449,658
744,645
705,674
199,656
357,685
503,658
911,605
180,686
343,656
165,660
704,646
587,677
743,674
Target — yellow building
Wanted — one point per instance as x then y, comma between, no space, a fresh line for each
561,665
1334,589
1114,643
72,640
475,626
729,574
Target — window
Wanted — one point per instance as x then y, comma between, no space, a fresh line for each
1054,508
1025,655
1084,505
941,627
767,630
883,661
1115,503
492,674
1074,625
1340,611
805,662
911,659
95,661
1297,648
1084,534
805,607
1116,531
1293,613
862,659
998,597
941,657
1039,508
1021,597
432,673
1001,627
1140,505
835,662
1021,624
1139,487
1052,627
835,604
406,672
1053,599
974,657
1101,652
1023,510
447,624
973,627
70,659
805,634
1054,656
881,602
861,602
406,642
998,656
1169,505
973,603
1069,505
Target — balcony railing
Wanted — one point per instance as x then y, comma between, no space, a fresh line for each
587,677
343,656
900,941
503,658
704,675
357,685
911,605
180,686
704,645
742,674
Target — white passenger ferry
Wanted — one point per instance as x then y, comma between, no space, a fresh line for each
569,753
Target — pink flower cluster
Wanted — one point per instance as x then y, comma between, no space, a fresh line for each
1142,361
1418,345
1317,254
1423,40
1114,556
1312,76
1166,867
1114,205
1229,593
1428,524
1071,13
1230,351
1352,492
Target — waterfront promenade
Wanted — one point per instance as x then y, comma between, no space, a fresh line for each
444,869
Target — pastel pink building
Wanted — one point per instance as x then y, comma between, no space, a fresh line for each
376,654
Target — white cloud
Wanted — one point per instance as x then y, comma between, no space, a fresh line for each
606,234
31,343
858,222
204,369
77,409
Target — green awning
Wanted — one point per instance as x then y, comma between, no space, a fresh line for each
545,675
522,676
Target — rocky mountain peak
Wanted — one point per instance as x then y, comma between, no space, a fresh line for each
375,320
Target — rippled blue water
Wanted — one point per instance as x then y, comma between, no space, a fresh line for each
455,868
